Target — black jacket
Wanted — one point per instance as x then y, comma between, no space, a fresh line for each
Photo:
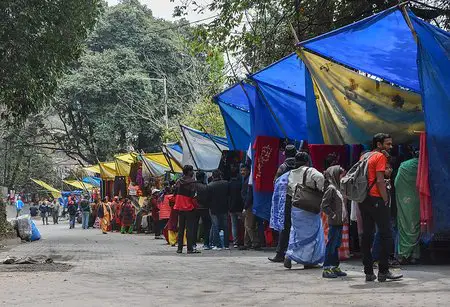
236,204
247,194
202,195
288,165
218,197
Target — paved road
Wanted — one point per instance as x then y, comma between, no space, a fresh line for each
124,270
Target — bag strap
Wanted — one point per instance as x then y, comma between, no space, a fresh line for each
304,176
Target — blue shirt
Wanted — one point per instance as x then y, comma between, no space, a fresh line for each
19,204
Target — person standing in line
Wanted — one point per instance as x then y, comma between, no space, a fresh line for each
236,204
44,209
72,208
218,201
86,212
203,209
251,236
184,204
283,240
19,206
55,211
155,214
375,210
334,207
164,208
128,214
104,213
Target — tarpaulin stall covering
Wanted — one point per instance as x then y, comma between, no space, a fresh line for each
80,184
159,164
234,106
416,58
93,169
95,181
201,150
55,192
352,106
175,152
108,170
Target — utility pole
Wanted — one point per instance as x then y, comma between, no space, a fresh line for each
166,112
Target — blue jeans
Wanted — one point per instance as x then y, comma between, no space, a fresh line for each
85,219
235,226
220,222
333,244
72,220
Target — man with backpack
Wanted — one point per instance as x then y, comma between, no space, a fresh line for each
365,184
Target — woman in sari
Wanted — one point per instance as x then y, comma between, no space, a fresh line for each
306,240
105,214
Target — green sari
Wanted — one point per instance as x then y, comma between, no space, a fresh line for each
408,209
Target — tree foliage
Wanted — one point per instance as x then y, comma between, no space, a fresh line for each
114,98
37,40
259,32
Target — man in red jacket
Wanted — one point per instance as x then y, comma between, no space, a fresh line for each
184,203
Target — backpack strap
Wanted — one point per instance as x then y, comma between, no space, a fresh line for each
304,176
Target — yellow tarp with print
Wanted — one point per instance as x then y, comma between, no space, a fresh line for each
353,107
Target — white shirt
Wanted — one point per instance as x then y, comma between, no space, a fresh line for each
314,179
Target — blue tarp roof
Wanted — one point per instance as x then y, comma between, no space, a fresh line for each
234,106
92,180
175,146
381,45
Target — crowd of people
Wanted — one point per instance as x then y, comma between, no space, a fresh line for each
219,211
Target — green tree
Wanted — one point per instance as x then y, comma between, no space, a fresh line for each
112,99
259,32
38,38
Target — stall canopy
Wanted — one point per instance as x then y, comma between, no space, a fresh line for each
55,192
108,170
234,104
174,151
159,164
80,184
95,181
384,46
202,150
93,169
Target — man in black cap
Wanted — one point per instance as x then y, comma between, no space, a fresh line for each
289,164
283,240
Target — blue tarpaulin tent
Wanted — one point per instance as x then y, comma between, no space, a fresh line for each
235,108
384,46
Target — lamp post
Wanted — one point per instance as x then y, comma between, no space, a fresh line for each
166,115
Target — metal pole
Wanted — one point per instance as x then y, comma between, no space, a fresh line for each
188,146
167,159
210,137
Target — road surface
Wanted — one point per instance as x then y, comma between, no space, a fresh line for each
123,270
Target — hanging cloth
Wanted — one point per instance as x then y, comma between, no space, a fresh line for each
423,186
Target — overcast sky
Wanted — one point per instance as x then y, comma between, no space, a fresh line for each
164,9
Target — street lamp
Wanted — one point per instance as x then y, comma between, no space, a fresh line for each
164,81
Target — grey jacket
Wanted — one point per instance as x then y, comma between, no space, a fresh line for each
332,201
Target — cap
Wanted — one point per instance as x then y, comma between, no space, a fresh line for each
290,151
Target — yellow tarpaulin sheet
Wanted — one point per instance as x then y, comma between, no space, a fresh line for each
122,168
353,107
80,185
93,169
128,158
108,170
55,193
161,159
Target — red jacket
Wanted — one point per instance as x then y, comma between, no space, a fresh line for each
185,192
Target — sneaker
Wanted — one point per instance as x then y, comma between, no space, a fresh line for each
206,248
179,251
329,273
227,248
371,277
194,252
384,276
338,272
277,258
287,263
215,248
235,246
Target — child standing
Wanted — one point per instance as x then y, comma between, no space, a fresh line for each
334,207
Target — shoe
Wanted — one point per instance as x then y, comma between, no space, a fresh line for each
215,248
277,258
158,238
371,277
394,263
105,233
375,265
243,248
389,275
287,263
235,246
227,248
338,272
329,273
206,248
193,252
179,251
311,266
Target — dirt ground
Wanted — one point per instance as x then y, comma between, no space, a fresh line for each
92,269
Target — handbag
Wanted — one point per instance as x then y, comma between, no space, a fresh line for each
306,198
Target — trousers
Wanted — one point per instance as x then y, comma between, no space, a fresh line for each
283,239
375,212
186,222
332,248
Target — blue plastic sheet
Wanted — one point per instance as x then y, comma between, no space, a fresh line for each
237,124
434,69
381,45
